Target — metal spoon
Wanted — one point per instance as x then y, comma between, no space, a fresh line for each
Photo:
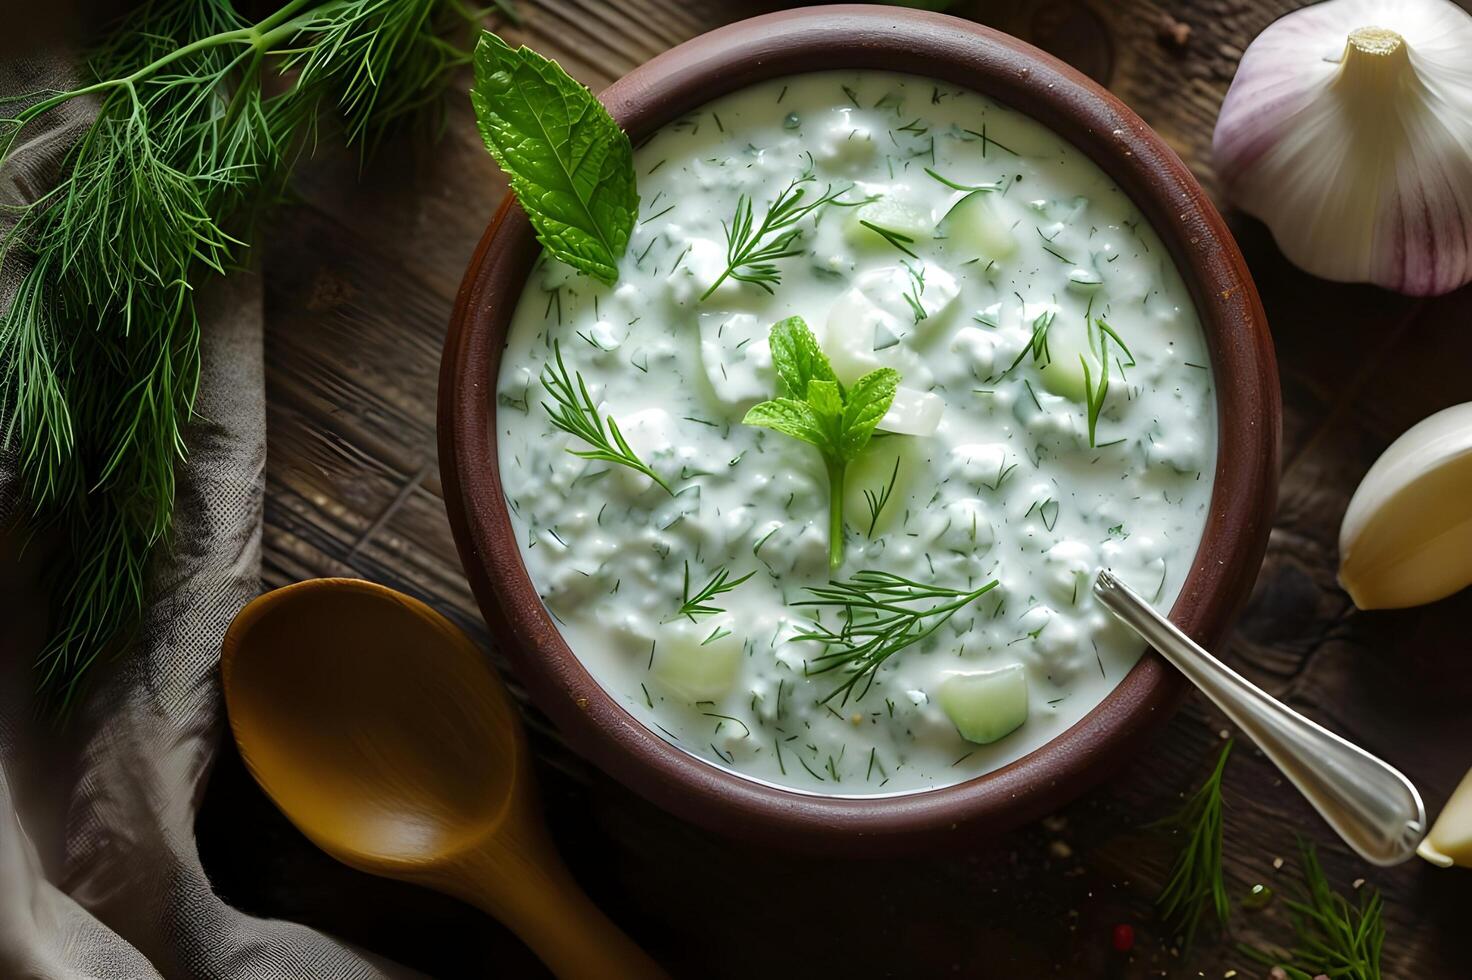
381,731
1368,803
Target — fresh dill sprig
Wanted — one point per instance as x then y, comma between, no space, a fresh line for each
200,114
577,415
915,292
1196,877
1037,344
880,617
1104,330
969,190
753,249
956,185
898,239
877,500
1331,936
699,603
1094,396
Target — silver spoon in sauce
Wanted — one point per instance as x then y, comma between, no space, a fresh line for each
1368,802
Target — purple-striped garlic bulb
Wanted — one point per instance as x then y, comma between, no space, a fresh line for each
1348,131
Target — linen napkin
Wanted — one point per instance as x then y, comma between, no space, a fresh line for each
99,871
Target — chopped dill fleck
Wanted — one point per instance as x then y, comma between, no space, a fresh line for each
898,239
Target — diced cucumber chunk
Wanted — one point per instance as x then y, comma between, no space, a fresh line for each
975,226
913,413
867,483
849,337
916,294
698,661
987,705
876,323
906,221
1064,373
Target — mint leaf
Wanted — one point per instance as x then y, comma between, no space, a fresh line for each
789,417
868,400
817,409
797,356
570,164
826,398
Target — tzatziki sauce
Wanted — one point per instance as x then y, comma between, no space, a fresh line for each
1055,416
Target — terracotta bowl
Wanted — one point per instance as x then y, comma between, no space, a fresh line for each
1014,73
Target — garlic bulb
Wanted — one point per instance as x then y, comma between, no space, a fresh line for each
1407,535
1450,840
1348,131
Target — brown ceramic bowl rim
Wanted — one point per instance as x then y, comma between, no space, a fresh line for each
1226,563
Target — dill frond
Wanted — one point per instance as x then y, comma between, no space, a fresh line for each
752,248
879,619
1196,878
577,414
699,603
1331,936
200,115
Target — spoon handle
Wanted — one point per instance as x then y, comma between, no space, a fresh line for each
1368,803
519,879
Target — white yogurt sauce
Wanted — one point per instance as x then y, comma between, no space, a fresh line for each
1007,487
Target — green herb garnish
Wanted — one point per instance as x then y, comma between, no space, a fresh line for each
1094,396
1106,331
817,409
578,415
752,250
1331,936
878,622
877,500
201,113
1037,344
971,190
916,291
699,603
570,164
956,185
899,240
1196,877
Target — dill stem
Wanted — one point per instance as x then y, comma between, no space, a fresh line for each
260,36
835,512
713,286
285,13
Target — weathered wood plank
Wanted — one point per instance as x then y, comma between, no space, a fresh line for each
360,277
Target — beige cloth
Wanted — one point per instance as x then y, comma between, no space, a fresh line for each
99,871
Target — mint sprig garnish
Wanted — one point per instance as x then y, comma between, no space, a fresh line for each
815,407
571,166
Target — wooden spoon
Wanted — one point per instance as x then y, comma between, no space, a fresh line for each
381,731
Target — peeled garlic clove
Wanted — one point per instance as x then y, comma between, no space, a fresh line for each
1407,535
1348,131
1450,840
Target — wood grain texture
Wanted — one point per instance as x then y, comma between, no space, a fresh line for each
360,278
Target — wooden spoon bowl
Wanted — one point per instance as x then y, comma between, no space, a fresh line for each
382,733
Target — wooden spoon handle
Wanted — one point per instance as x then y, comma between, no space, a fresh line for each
521,881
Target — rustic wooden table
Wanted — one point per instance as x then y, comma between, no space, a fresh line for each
360,275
